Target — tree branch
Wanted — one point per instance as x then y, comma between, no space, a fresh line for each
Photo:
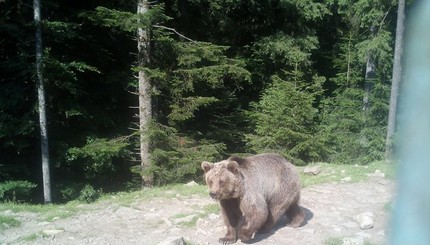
175,31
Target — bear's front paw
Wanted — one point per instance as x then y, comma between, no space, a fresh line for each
227,240
244,237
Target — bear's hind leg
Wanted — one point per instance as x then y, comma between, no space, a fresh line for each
296,215
275,212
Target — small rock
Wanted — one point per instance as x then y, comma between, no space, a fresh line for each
173,241
213,216
43,223
201,231
52,232
365,220
55,218
152,210
188,218
314,170
346,179
192,183
378,173
167,221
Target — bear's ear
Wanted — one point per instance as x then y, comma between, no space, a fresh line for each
206,166
233,167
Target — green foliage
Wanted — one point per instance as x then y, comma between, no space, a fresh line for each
285,121
98,154
177,158
89,194
16,191
355,135
124,20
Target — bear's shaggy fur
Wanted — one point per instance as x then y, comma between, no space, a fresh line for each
254,192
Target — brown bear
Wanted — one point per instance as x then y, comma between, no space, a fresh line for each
254,192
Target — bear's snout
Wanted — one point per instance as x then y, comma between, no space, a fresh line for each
213,195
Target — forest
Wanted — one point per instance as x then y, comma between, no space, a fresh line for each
308,79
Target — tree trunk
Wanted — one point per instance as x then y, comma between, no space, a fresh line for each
41,100
145,104
397,73
369,76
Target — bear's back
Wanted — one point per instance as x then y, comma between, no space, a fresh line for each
268,173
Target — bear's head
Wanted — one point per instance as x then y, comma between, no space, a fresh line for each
223,179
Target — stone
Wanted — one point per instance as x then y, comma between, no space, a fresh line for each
365,220
191,183
185,219
213,216
53,232
377,173
314,170
167,221
346,179
173,241
43,223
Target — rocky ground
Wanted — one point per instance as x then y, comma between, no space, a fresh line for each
334,214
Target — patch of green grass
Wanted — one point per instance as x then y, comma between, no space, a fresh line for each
168,191
31,237
333,241
7,222
47,212
336,172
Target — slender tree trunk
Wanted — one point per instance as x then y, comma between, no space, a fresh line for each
369,76
145,103
41,99
396,77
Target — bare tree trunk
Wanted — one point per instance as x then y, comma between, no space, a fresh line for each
369,76
396,77
41,99
145,103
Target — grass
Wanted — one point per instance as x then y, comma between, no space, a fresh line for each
7,222
169,191
333,241
48,211
336,172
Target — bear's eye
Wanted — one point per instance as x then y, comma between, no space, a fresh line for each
210,182
221,182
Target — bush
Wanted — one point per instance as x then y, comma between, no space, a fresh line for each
16,191
89,194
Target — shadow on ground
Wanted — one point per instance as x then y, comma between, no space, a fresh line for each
279,225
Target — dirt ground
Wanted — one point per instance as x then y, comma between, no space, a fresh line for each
330,210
